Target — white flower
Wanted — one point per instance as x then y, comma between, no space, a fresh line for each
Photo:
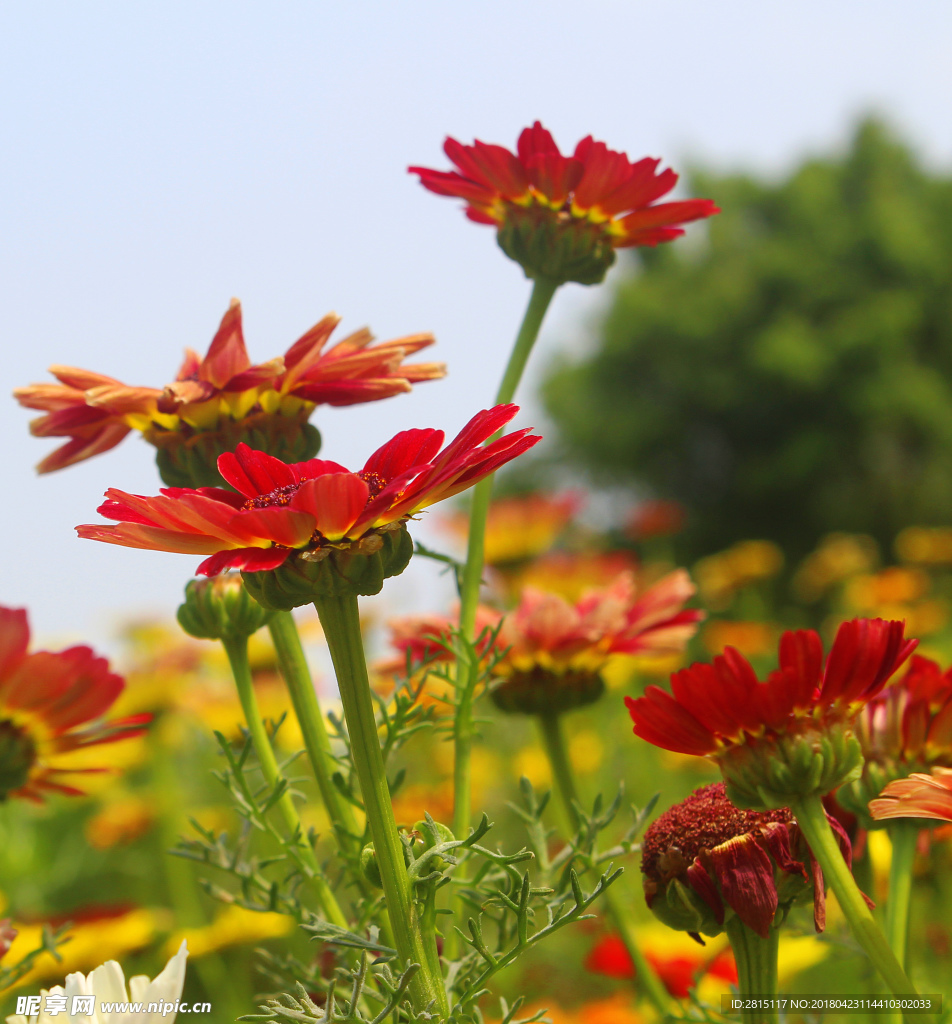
107,984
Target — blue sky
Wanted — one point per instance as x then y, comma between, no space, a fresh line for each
162,158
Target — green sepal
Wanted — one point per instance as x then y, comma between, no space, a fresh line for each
541,691
192,461
220,608
553,244
680,907
340,572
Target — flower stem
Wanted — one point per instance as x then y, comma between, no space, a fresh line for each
811,817
904,836
553,739
297,676
341,623
237,651
542,292
756,967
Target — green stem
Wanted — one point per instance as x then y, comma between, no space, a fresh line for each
542,292
756,968
811,817
553,739
904,836
339,617
237,651
297,676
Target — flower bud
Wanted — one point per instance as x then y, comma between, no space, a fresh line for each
359,568
370,866
445,835
220,608
555,245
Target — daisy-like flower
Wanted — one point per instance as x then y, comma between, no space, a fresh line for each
107,983
906,728
790,736
294,518
562,217
919,796
51,705
705,860
556,651
221,399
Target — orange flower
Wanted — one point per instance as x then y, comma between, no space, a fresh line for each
919,796
51,705
309,509
221,399
562,217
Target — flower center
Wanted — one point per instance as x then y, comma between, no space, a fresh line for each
277,498
374,481
701,822
17,756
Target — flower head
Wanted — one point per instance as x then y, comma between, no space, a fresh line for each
562,217
919,796
109,983
790,735
297,516
555,651
221,399
50,706
704,859
904,729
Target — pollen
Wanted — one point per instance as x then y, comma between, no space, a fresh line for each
374,481
277,498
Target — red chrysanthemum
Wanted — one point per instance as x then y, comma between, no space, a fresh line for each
223,398
561,217
309,508
50,706
919,796
723,710
678,972
728,860
904,729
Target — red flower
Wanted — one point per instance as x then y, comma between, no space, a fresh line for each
223,396
724,711
51,705
678,973
729,861
309,508
560,216
919,796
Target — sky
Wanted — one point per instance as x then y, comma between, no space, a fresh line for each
160,159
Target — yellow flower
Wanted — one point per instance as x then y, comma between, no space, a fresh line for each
233,926
925,545
120,820
750,638
720,576
839,556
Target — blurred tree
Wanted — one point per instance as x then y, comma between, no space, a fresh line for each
793,375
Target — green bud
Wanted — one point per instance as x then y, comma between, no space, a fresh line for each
445,835
359,568
220,608
369,866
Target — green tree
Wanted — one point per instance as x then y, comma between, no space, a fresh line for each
792,375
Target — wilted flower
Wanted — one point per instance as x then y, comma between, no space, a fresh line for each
919,796
219,400
790,736
297,516
108,983
563,217
705,859
50,706
906,728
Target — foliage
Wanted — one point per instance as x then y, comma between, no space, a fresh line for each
792,375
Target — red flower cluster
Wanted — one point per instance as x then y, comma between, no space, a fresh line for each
308,508
51,705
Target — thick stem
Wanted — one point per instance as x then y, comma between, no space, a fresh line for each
341,623
553,739
756,969
237,651
297,676
811,818
904,836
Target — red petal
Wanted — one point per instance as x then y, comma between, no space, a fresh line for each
249,559
801,657
535,140
227,355
746,877
698,687
284,526
252,472
704,886
335,500
661,720
14,639
407,449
